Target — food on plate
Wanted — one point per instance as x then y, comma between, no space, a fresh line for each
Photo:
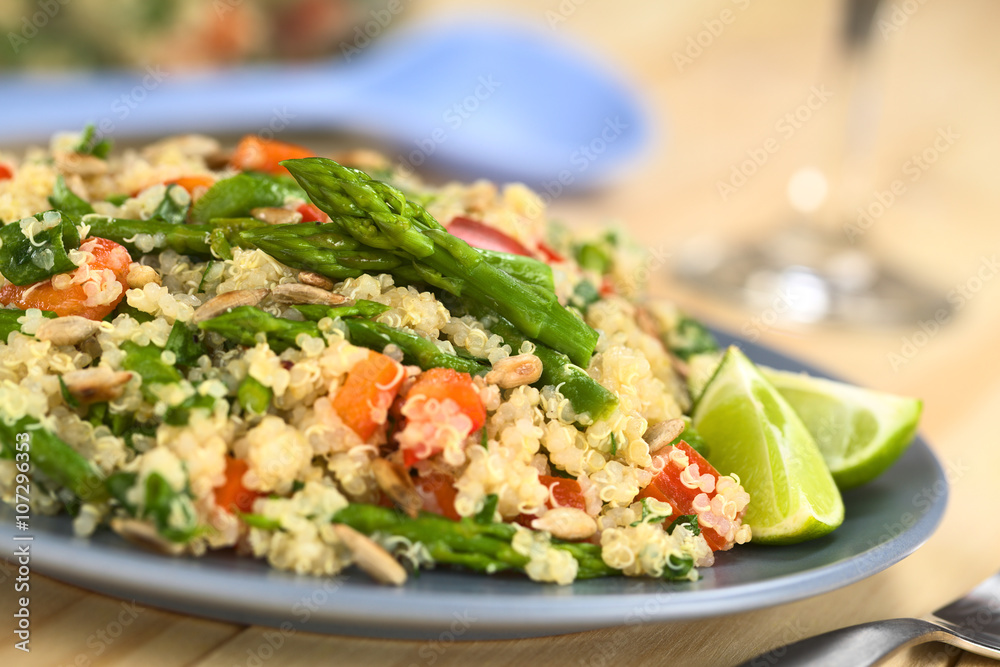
175,34
321,366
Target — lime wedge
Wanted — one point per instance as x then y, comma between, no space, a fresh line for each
860,432
752,431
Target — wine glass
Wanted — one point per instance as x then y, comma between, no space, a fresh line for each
816,267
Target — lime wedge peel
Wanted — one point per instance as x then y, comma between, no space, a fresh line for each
860,432
752,431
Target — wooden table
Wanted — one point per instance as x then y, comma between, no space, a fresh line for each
940,71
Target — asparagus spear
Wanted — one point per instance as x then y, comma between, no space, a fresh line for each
585,394
324,249
55,459
242,324
416,349
477,545
312,247
379,216
360,308
375,335
185,239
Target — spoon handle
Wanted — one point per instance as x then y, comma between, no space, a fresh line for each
859,645
154,101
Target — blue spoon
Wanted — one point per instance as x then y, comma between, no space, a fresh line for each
479,99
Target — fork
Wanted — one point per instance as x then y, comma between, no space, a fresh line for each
971,623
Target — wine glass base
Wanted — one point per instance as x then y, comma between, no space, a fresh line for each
800,274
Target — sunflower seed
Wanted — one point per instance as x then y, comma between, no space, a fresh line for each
370,556
396,484
663,434
144,535
96,385
227,301
275,215
315,279
68,330
80,164
305,294
566,523
194,145
515,371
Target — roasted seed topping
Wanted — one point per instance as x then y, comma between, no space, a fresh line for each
96,385
227,301
274,215
396,484
663,434
371,557
68,330
306,294
515,371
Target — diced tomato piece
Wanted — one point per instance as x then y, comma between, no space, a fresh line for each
256,154
232,495
668,481
608,287
364,399
480,235
442,383
77,292
442,407
438,491
311,213
669,486
6,171
565,492
550,255
193,183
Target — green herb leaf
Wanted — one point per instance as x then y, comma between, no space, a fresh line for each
235,197
67,201
260,521
677,567
91,145
182,343
253,396
648,516
169,209
689,521
25,260
690,337
486,514
66,395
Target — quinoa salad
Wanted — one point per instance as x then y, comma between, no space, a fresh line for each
324,363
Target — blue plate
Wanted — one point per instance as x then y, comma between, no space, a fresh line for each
886,520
